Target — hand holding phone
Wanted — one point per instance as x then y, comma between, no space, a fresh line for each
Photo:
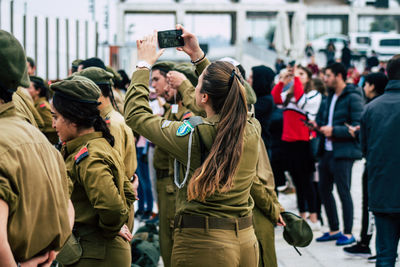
191,46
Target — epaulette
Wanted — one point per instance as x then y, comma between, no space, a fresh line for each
42,105
83,153
187,115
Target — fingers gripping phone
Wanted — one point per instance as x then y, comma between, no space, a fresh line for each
171,38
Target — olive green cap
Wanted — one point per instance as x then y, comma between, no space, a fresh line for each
97,75
250,95
297,232
117,76
164,66
187,69
76,63
13,68
77,88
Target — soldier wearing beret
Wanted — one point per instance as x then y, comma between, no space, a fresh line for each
39,92
102,196
74,66
36,215
124,141
163,162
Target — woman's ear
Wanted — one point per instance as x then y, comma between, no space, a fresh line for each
204,98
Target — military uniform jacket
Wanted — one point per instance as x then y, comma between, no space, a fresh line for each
34,183
162,159
124,139
26,110
163,133
101,194
43,108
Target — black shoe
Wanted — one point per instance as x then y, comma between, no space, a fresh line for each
358,250
372,259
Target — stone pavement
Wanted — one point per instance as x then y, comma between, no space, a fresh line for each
325,254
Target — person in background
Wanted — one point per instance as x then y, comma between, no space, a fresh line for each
313,66
346,55
40,95
338,150
74,66
309,50
372,61
330,53
380,143
31,67
374,87
261,79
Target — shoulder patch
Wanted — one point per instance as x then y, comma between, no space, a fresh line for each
165,124
107,120
83,153
43,105
187,115
184,129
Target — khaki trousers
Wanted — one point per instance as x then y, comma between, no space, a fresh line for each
195,247
265,233
166,192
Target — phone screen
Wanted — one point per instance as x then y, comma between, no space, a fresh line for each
171,38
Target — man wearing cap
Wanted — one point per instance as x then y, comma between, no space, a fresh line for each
74,66
123,135
163,163
39,92
36,216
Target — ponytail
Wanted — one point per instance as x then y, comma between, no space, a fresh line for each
221,81
101,126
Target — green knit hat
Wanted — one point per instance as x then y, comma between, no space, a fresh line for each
97,75
77,88
13,68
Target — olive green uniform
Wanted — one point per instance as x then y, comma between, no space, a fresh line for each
124,144
166,190
34,183
26,110
43,108
267,208
201,247
119,98
102,197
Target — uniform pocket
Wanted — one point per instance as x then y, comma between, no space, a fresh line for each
93,249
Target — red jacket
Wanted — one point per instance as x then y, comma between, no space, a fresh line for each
294,128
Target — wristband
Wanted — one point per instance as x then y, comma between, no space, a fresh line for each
143,64
197,61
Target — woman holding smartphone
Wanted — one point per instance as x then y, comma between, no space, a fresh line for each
215,157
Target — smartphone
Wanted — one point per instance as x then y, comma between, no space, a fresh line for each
171,38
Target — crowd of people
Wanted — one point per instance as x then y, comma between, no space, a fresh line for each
201,149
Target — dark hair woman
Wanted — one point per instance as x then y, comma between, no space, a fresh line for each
101,194
215,160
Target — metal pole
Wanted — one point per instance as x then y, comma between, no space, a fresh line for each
97,40
36,40
0,14
12,16
47,48
58,47
86,39
24,31
67,41
77,38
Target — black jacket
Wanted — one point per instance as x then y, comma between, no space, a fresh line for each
379,135
263,110
348,109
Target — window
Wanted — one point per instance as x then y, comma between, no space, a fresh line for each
390,42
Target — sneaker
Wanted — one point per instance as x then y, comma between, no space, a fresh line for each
344,240
327,237
372,259
358,250
315,226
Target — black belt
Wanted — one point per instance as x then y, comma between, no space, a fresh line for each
162,174
190,221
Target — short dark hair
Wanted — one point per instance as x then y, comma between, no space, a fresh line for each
379,80
31,62
393,68
93,62
338,68
162,71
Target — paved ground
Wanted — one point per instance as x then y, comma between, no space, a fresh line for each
321,254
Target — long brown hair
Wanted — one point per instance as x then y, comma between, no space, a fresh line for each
222,83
